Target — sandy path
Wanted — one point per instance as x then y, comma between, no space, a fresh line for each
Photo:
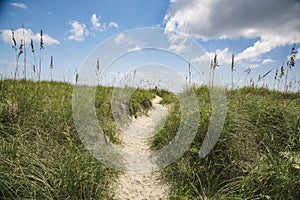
138,182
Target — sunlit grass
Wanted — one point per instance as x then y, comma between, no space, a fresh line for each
41,155
247,161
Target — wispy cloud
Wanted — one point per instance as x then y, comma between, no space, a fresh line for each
29,34
267,61
78,32
122,38
19,5
136,48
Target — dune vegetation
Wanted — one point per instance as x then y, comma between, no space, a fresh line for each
257,154
42,157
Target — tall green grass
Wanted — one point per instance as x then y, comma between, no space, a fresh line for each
247,161
41,155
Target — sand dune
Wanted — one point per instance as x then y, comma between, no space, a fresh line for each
141,180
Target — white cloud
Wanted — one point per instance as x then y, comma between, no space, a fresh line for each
275,22
233,18
95,21
253,65
122,38
264,45
177,41
19,5
119,38
136,48
178,47
223,56
6,36
267,61
96,25
78,31
47,39
113,24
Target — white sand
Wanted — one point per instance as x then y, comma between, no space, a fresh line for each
138,182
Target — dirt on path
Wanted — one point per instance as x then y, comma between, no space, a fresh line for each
140,181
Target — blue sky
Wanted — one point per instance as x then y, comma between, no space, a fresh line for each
260,34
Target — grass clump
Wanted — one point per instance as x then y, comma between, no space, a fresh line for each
140,102
41,155
167,97
247,161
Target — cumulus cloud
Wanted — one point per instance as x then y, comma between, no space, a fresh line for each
264,45
95,21
223,56
6,36
177,44
177,41
275,22
19,5
232,18
97,25
113,24
78,32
